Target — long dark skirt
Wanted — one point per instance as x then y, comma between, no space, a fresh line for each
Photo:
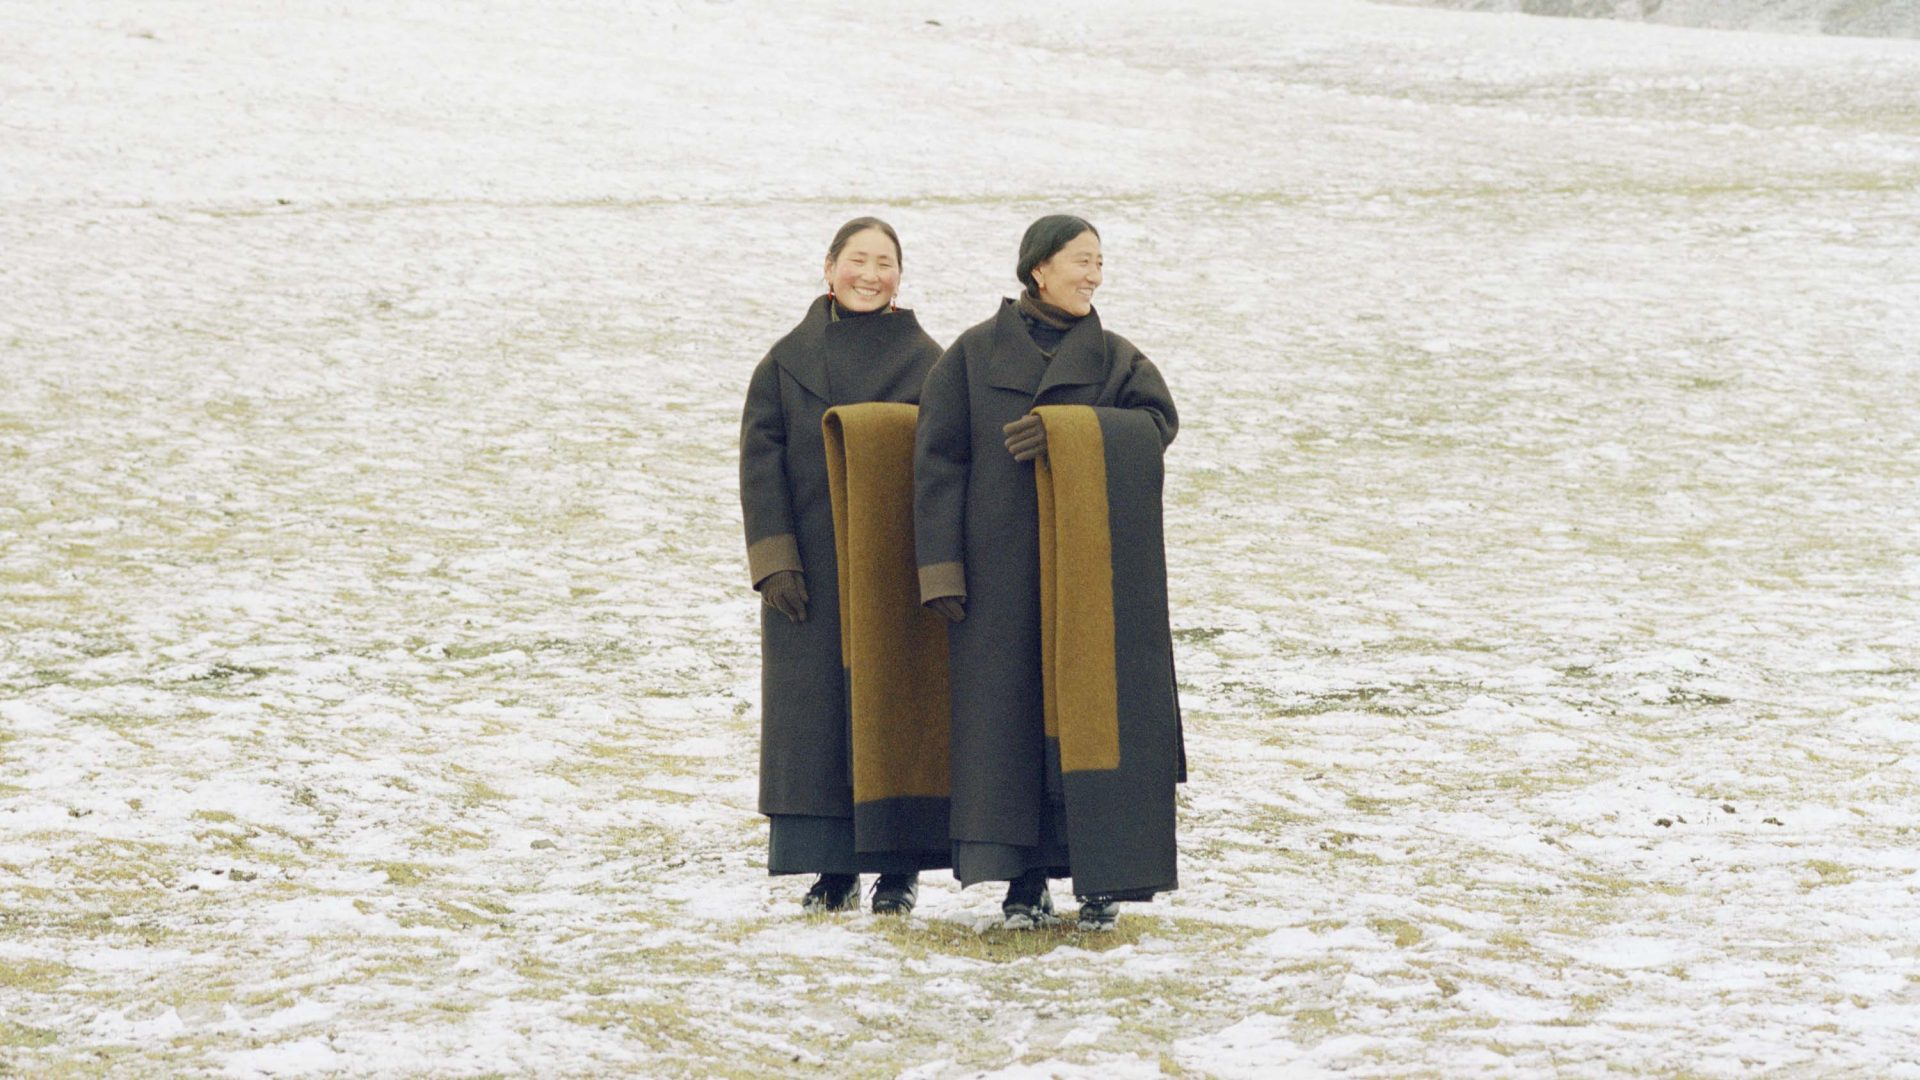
980,860
805,844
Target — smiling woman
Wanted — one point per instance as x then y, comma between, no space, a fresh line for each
863,267
852,346
1060,263
977,532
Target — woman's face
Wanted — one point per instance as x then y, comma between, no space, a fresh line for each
866,275
1067,280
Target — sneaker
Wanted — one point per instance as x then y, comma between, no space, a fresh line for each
1028,905
833,892
894,894
1098,912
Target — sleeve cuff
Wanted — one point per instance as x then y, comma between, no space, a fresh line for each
772,555
943,579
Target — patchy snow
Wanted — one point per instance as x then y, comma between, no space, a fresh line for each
1867,18
378,682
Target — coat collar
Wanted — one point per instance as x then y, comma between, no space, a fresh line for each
1018,364
883,343
802,353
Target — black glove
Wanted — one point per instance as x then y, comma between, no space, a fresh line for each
950,608
785,591
1026,438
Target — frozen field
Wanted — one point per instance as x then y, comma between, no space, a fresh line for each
1858,18
378,676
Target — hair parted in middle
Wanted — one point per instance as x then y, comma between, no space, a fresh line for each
860,225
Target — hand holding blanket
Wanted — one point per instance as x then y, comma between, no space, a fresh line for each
785,591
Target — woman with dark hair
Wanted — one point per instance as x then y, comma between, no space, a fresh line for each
976,537
852,346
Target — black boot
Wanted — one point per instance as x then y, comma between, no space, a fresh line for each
894,894
833,892
1098,912
1028,904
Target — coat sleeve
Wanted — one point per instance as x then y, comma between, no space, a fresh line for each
942,457
1145,390
766,500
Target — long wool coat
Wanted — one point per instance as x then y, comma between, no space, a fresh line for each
804,762
976,534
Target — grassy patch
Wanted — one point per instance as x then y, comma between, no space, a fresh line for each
996,946
1405,935
228,834
446,915
21,1035
668,1030
444,839
1616,886
474,791
1447,1026
646,843
944,937
1831,873
114,864
403,873
34,976
1312,1025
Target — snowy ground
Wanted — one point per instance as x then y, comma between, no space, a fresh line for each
1858,18
378,677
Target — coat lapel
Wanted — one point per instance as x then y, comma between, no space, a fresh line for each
1080,359
803,352
872,358
1017,363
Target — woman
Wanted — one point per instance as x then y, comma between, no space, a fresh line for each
977,549
853,345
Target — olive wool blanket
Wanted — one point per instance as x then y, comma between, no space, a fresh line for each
895,652
1106,647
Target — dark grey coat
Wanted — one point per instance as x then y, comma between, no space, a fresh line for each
976,526
804,763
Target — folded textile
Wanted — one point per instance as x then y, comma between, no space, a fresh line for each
1106,647
895,652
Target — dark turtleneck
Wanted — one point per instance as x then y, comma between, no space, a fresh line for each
1046,324
835,312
